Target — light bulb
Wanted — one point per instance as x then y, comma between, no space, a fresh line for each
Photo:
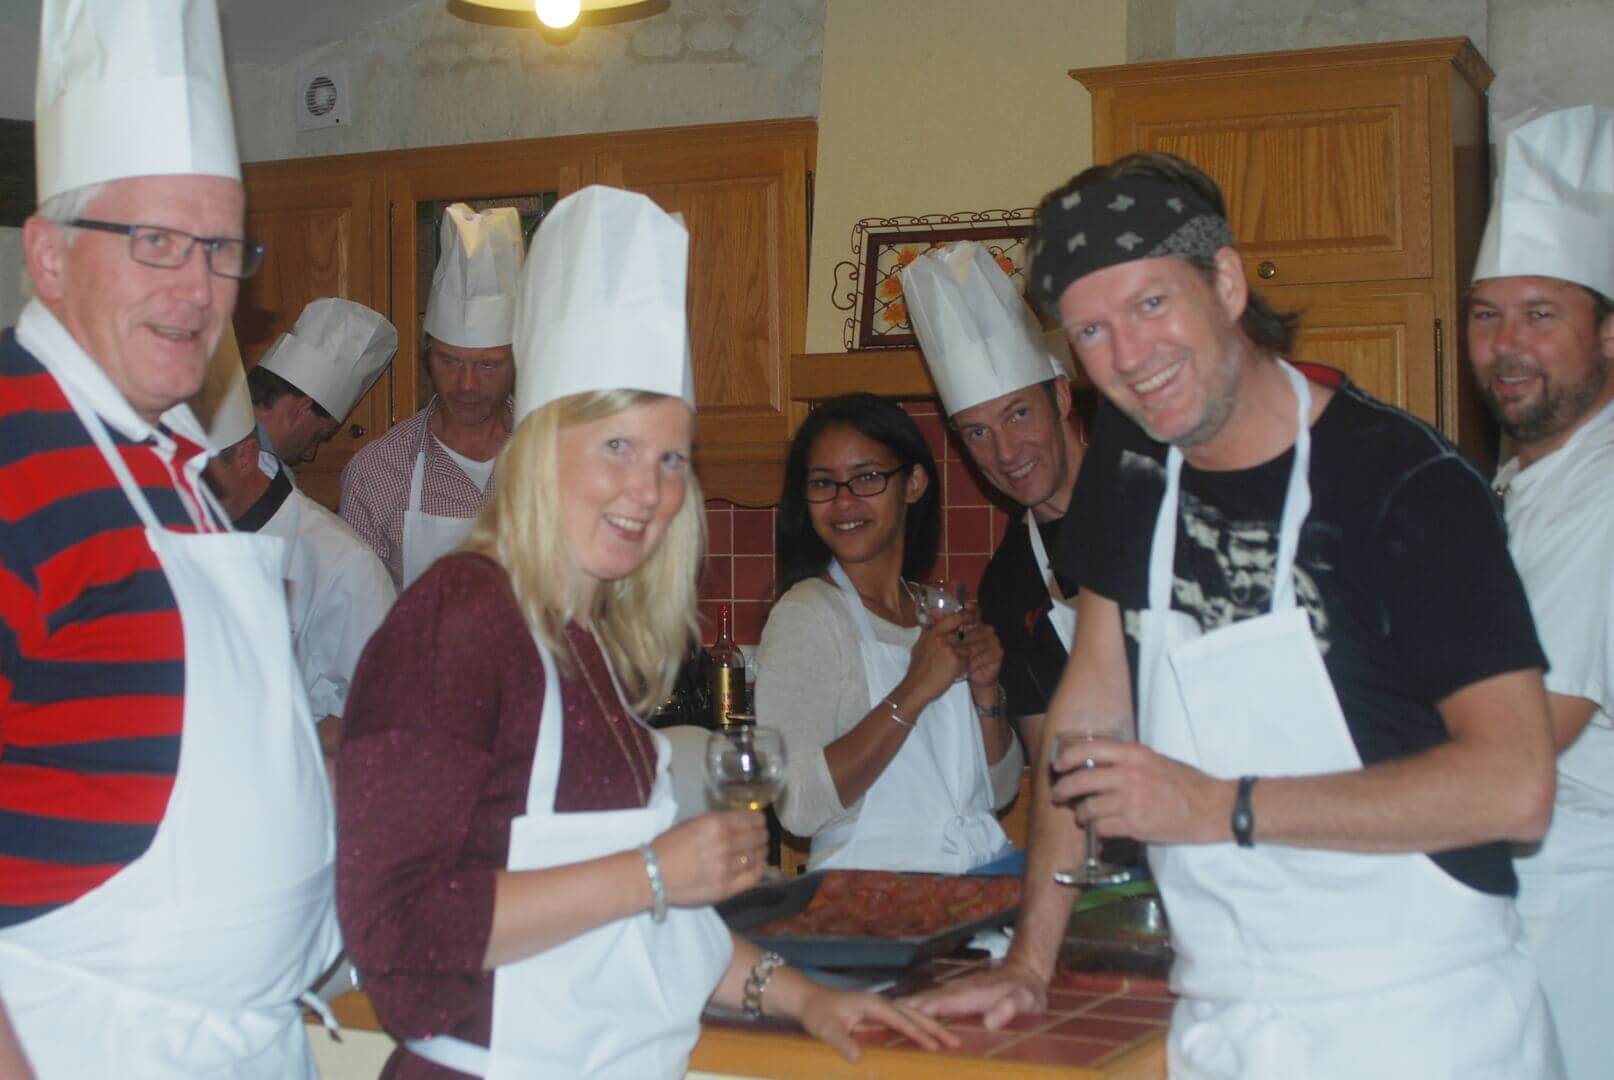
557,14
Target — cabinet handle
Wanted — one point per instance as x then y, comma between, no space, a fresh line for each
356,431
1268,269
1440,377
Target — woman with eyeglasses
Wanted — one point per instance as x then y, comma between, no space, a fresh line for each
899,748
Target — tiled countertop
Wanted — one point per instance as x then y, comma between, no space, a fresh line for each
1097,1026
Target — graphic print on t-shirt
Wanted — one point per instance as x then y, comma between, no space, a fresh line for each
1228,561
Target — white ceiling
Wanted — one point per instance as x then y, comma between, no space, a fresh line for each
263,31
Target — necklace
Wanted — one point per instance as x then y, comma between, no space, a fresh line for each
635,759
897,616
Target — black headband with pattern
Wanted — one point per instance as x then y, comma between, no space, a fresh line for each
1116,221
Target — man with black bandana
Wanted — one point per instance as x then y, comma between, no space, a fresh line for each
1007,396
1340,710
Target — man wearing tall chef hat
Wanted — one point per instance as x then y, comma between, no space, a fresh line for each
1007,396
414,493
313,375
336,589
165,828
1301,600
1541,339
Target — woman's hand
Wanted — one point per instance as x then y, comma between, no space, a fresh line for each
833,1015
712,857
937,660
982,651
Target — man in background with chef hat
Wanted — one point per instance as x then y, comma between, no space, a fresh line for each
165,828
1541,339
414,493
314,374
336,589
1299,601
1007,396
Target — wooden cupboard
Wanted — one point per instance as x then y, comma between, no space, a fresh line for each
358,225
1357,183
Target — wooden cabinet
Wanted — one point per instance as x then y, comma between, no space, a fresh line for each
356,226
1356,181
325,229
746,207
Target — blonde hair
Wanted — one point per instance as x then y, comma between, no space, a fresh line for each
646,621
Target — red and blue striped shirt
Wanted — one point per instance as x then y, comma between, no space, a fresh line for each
92,652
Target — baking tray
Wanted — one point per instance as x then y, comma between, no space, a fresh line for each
779,900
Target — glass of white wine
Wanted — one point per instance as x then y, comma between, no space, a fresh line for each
745,766
1092,870
932,600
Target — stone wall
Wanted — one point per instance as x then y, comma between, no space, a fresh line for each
427,78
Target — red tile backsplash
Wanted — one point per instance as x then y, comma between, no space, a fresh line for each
740,564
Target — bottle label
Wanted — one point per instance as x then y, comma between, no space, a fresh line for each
728,693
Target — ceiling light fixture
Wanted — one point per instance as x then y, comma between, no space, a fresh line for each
560,14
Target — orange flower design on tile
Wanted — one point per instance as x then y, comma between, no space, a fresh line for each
894,314
1007,264
907,253
891,287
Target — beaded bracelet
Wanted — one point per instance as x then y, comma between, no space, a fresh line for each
996,710
756,984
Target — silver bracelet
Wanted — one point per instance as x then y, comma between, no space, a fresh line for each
756,984
892,705
658,887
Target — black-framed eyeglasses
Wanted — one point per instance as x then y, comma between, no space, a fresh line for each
169,249
821,489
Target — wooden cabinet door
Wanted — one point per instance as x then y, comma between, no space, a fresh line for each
324,227
1326,174
745,202
1383,337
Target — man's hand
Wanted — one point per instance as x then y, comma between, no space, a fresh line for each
1132,791
996,996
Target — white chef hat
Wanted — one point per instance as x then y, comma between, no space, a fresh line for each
602,303
1553,215
473,298
979,337
130,88
334,354
224,405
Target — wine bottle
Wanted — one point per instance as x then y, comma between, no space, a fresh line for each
727,666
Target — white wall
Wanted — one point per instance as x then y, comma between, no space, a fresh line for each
427,78
19,56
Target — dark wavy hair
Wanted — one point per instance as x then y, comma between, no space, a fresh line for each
801,552
1270,329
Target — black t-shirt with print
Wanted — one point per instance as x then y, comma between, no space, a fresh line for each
1015,603
1402,568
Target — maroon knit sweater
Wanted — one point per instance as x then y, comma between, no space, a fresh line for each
440,729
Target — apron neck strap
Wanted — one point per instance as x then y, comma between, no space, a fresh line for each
853,599
1296,505
1039,550
417,477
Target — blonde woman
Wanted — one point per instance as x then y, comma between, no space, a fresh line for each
509,885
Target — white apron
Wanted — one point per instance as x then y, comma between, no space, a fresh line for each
1296,962
190,960
931,809
427,537
1062,611
622,1000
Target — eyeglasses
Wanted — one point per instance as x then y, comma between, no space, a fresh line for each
821,489
169,249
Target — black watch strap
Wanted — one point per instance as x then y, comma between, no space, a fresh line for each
1243,818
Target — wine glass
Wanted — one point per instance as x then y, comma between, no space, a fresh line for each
932,600
745,766
1093,870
